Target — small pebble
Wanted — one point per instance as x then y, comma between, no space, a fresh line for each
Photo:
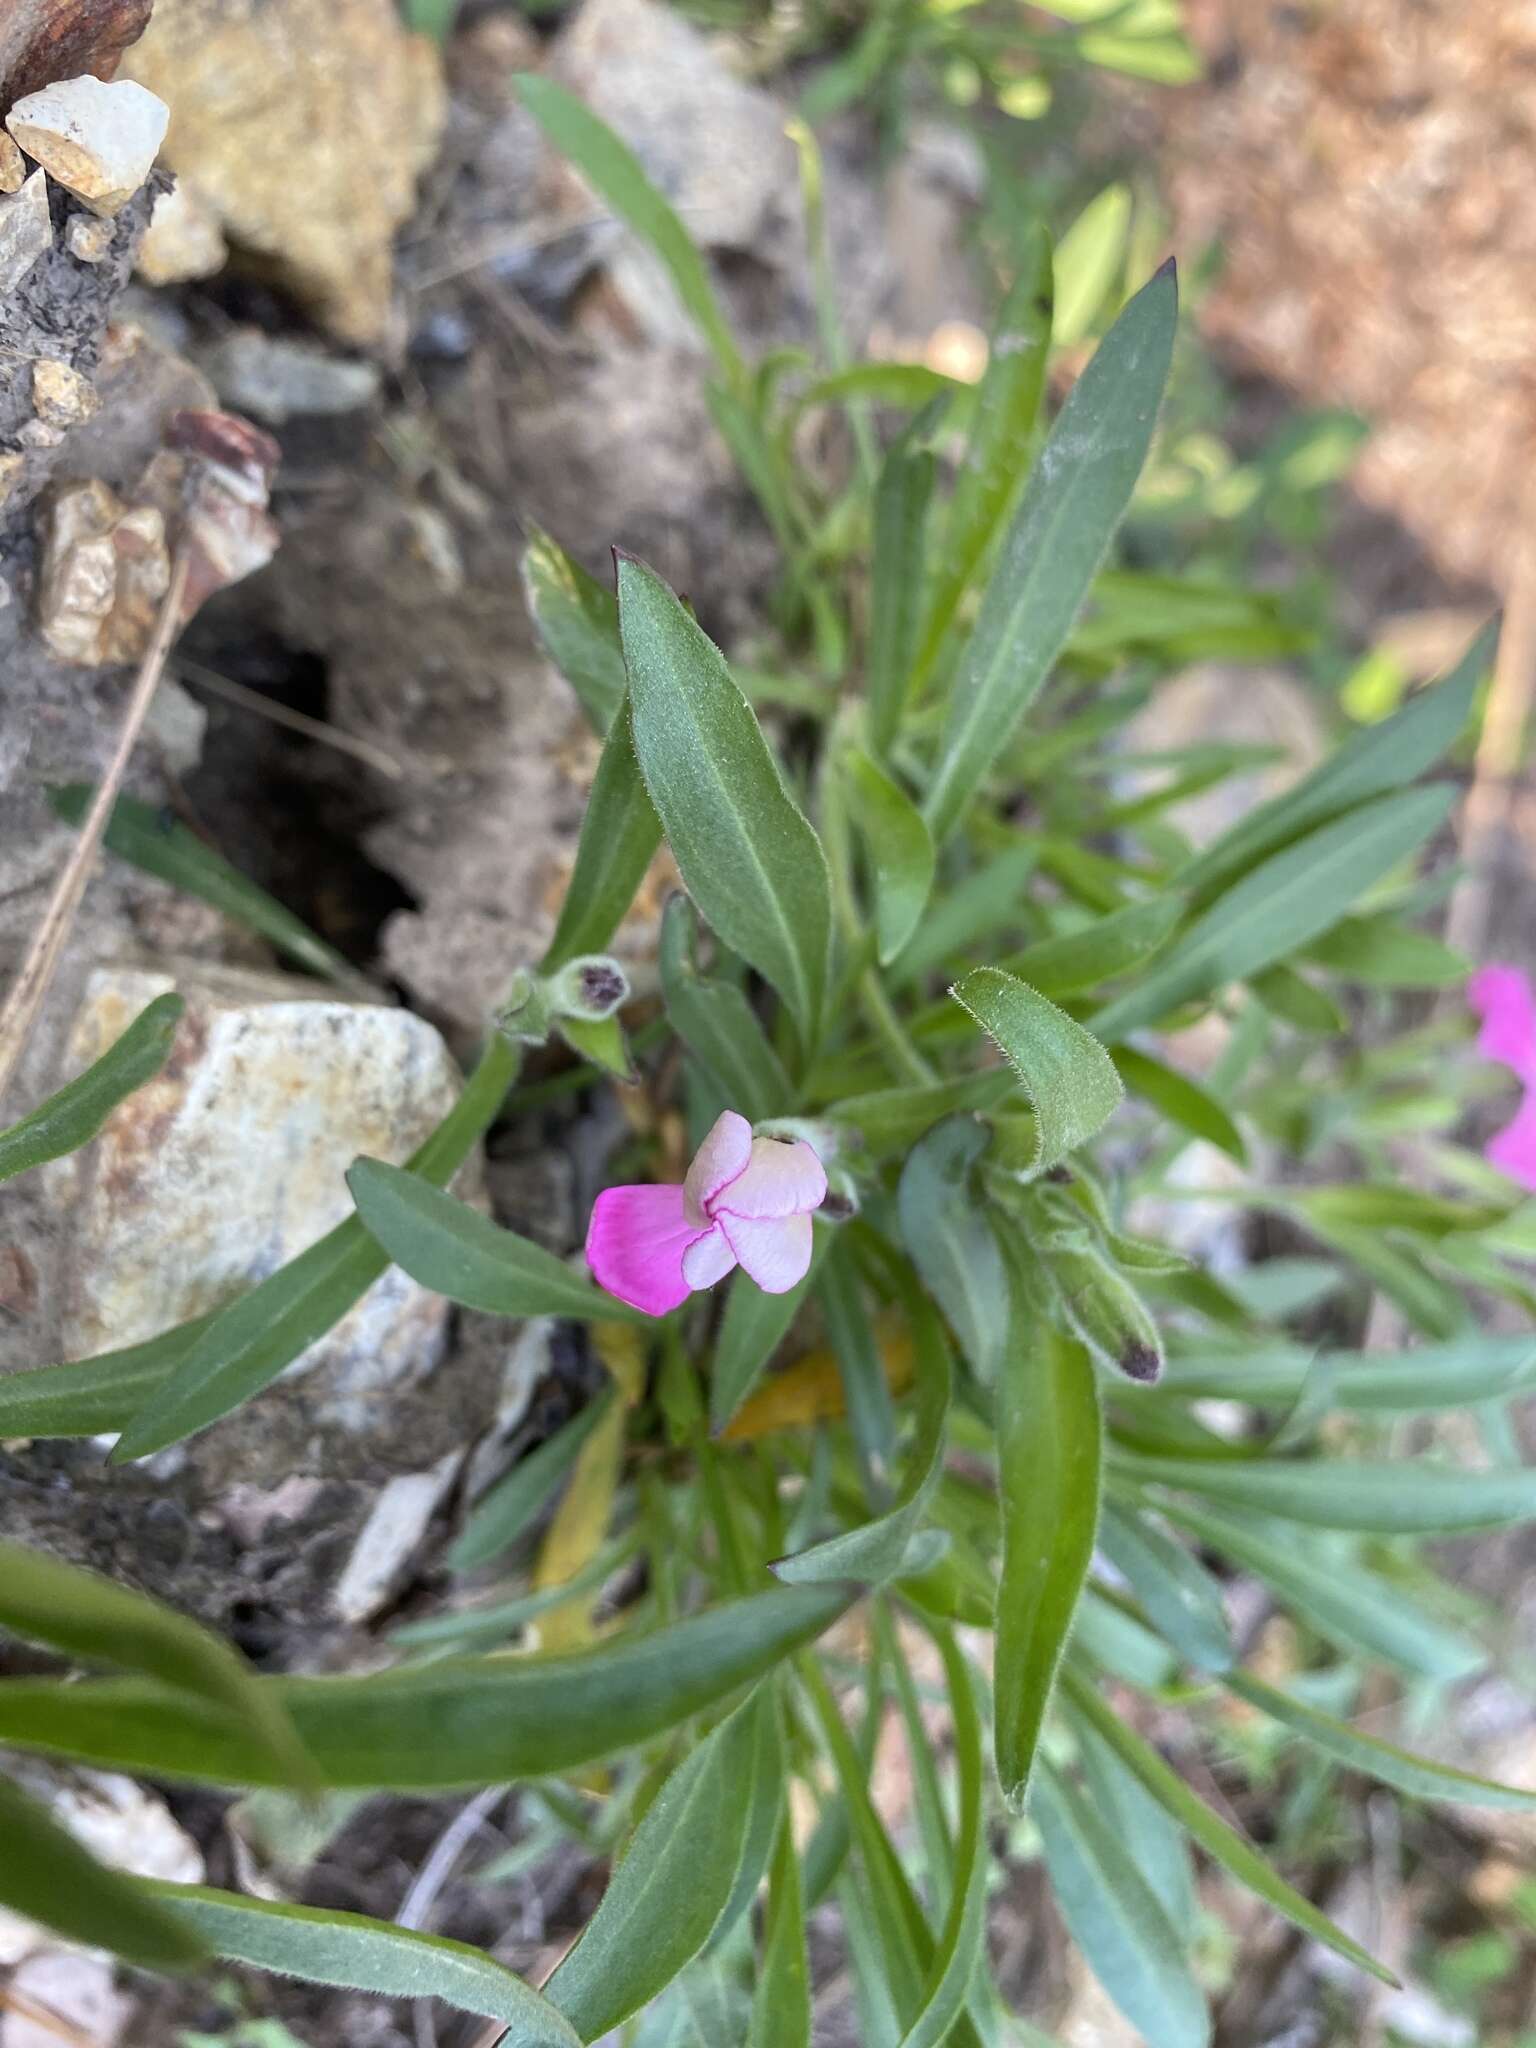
12,463
13,165
88,236
61,395
98,140
26,230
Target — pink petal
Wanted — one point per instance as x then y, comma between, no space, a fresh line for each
1513,1151
708,1259
774,1251
719,1160
635,1246
781,1179
1502,997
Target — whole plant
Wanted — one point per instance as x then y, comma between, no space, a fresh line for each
925,1399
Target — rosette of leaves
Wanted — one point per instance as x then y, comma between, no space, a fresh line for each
926,919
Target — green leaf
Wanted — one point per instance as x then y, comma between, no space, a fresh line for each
781,2009
456,1722
911,385
717,1024
72,1117
751,1330
900,851
747,854
454,1250
1281,904
1183,1101
89,1617
1111,945
619,833
1049,1454
1297,1001
1419,1776
1075,498
1220,1842
1456,1375
1181,1598
461,1627
46,1875
1121,1926
577,621
989,899
357,1953
962,1944
243,1348
902,497
153,841
997,455
93,1396
1089,259
616,174
1340,1493
876,1550
1375,761
1157,1844
513,1502
951,1242
762,1790
892,1119
1390,1206
851,1335
1355,1609
664,1899
1066,1074
1382,953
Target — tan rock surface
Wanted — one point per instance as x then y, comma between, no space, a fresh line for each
300,130
98,141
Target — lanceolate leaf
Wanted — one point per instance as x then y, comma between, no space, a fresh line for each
1088,262
91,1618
1067,1075
160,845
1281,904
462,1721
1115,1918
997,456
963,1940
1073,502
46,1875
578,622
751,1330
748,856
717,1024
454,1250
360,1954
93,1396
1183,1101
891,1119
1381,758
951,1241
900,851
1049,1452
1347,1493
245,1346
1111,945
1455,1375
1419,1776
1219,1841
513,1502
1181,1598
896,598
875,1550
665,1897
781,2010
73,1116
616,174
619,834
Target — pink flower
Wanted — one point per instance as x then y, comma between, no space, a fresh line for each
1503,998
746,1201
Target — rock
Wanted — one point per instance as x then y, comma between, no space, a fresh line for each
11,466
389,1538
26,230
232,1161
13,165
58,1995
105,569
98,141
41,40
300,130
183,239
88,236
276,380
62,396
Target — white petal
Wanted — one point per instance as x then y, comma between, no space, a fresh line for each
721,1159
774,1251
782,1178
708,1259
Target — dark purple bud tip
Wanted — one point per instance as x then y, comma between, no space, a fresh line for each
602,985
1060,1176
1141,1363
